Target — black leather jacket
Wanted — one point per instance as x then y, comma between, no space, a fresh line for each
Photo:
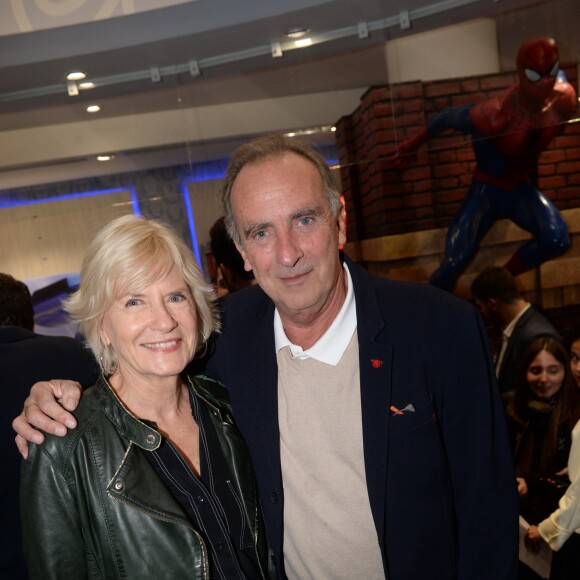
92,505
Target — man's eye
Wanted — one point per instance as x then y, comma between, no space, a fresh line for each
305,221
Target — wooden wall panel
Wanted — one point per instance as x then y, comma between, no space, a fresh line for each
48,238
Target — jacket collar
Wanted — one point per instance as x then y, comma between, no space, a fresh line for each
14,334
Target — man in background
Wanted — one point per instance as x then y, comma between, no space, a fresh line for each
498,297
26,357
228,261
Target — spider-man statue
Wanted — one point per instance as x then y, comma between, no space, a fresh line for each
508,133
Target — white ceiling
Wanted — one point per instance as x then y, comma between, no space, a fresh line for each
242,89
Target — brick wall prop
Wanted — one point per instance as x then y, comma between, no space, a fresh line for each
382,200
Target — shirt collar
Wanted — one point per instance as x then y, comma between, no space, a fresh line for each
508,330
331,345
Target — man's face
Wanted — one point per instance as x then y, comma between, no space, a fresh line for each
288,236
488,311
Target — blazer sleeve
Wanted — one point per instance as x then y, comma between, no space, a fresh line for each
51,529
473,427
565,521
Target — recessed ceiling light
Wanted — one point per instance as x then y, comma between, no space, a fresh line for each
303,42
93,109
75,75
86,85
296,31
105,157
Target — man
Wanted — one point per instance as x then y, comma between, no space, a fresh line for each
508,134
229,264
26,357
369,406
498,297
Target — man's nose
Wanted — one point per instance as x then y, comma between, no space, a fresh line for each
288,249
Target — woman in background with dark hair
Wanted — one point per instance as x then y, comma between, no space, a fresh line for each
540,415
561,530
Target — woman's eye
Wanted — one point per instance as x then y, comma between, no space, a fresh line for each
177,298
132,302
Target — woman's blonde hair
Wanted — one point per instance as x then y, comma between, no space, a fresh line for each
138,252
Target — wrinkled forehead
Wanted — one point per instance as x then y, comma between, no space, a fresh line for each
539,54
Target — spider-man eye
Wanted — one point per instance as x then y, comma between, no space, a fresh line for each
554,70
532,75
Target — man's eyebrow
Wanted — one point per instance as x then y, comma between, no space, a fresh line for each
253,228
315,211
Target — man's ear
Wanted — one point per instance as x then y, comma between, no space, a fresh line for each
247,265
492,304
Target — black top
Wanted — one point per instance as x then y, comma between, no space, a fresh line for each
209,500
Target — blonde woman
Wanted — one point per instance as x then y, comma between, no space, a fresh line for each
156,480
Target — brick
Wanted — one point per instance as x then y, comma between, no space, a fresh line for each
470,85
451,196
448,183
425,199
552,182
492,83
552,156
422,186
417,173
443,88
572,153
565,141
569,167
546,169
413,105
460,100
450,170
408,90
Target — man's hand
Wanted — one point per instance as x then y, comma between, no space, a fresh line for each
47,408
522,486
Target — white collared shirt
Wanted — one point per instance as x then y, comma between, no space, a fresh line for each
506,335
333,343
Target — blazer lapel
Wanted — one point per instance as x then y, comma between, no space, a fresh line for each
375,360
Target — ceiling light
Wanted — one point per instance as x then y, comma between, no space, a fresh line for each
296,32
303,42
105,157
93,109
86,85
75,75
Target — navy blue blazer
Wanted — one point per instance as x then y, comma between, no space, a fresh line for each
440,480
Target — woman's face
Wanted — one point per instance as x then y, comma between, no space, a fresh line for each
575,361
153,330
545,375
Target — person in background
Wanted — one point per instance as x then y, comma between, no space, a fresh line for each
561,529
540,414
229,263
24,357
156,481
498,298
369,406
221,288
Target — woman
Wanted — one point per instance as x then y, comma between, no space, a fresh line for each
156,481
561,530
540,417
